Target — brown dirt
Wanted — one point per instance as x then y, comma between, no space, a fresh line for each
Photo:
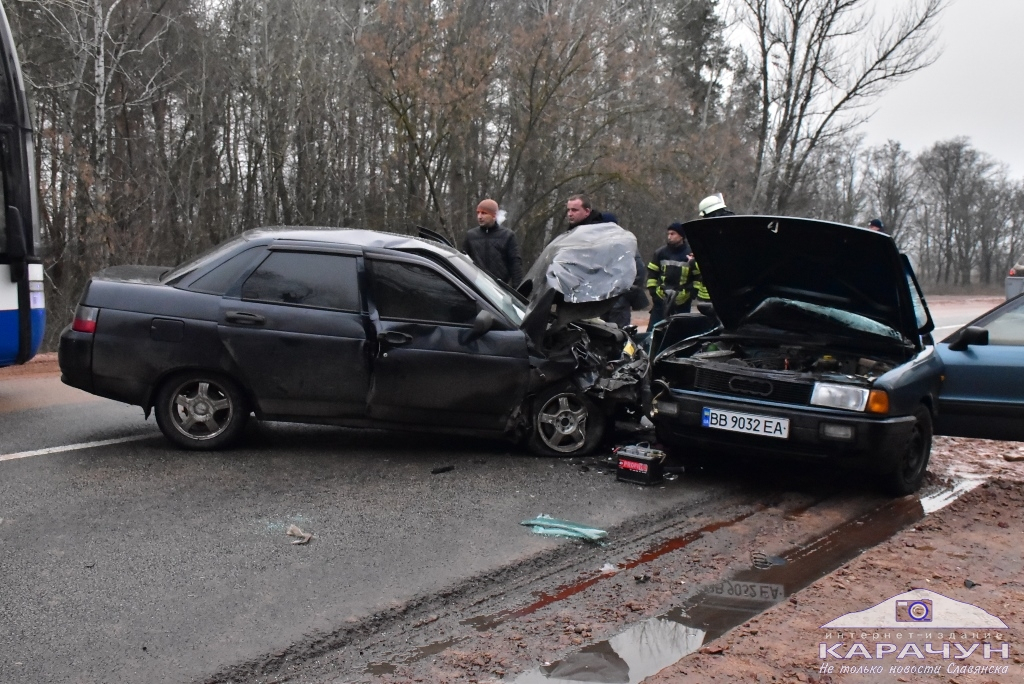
977,538
41,364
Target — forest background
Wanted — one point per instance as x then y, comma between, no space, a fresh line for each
166,126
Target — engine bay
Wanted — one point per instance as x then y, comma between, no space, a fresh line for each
765,355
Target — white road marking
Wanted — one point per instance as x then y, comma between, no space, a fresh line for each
73,447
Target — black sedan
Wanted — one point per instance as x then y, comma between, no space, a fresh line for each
822,352
346,327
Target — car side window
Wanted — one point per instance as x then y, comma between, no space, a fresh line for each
415,293
222,277
323,281
1006,327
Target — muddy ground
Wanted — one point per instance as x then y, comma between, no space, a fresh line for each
977,539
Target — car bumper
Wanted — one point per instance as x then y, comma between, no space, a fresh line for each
74,355
875,442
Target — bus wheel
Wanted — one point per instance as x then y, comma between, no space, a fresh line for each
200,410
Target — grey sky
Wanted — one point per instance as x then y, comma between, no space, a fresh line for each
975,89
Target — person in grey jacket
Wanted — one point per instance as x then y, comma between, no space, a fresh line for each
493,248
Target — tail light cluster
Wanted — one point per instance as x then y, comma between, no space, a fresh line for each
85,319
1013,272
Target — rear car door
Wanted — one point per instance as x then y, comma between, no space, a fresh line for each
983,391
295,329
427,369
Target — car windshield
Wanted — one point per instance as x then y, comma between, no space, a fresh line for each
491,290
206,257
777,312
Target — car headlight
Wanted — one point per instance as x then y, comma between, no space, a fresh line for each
839,396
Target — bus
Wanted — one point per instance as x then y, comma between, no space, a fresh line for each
22,305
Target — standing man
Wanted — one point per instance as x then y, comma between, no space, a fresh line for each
669,272
493,248
579,212
877,225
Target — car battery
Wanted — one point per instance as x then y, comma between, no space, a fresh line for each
640,464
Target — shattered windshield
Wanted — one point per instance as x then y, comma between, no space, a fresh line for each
492,291
789,314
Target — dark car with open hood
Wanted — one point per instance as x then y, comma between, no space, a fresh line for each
823,350
357,328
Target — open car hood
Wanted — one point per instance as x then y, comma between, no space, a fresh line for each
753,264
579,273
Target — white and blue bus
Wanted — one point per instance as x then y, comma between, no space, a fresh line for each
22,307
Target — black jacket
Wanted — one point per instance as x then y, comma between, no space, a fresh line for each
495,250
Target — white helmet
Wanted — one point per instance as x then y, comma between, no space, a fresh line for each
710,203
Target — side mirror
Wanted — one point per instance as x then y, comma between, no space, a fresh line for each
483,322
968,336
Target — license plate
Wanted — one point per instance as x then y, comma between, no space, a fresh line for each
749,423
750,591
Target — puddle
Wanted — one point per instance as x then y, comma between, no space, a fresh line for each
485,622
649,647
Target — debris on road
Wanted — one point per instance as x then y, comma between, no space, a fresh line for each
295,531
970,585
1013,458
639,464
546,525
442,469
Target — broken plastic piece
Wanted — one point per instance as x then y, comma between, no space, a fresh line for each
295,531
545,524
970,585
442,469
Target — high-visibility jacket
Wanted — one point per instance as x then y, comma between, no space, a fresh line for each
670,270
700,290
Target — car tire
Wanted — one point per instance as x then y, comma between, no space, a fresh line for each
564,422
201,411
910,462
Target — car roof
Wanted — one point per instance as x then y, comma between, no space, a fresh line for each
345,236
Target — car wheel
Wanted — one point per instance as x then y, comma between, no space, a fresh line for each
565,422
201,410
911,462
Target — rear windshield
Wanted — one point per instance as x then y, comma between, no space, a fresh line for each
208,257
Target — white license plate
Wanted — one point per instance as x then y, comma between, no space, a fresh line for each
749,423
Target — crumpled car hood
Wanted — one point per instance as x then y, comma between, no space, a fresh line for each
579,273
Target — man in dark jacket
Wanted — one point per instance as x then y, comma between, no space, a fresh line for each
669,272
493,248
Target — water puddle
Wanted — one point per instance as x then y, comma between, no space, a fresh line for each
650,646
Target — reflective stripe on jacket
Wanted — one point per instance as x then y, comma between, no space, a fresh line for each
670,270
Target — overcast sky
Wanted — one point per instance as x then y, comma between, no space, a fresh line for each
975,89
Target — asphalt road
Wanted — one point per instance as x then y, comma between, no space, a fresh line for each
133,561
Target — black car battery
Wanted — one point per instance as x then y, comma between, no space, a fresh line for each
640,464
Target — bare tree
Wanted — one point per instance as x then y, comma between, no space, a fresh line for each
818,61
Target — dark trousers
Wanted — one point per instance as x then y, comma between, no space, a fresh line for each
658,311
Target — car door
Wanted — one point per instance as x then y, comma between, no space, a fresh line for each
427,367
296,331
982,393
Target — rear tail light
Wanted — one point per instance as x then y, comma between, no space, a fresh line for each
1013,271
85,319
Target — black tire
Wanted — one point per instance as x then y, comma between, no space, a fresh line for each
910,462
564,422
201,411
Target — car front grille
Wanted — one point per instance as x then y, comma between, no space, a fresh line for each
752,387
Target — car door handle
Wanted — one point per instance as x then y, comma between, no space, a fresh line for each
245,318
395,338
